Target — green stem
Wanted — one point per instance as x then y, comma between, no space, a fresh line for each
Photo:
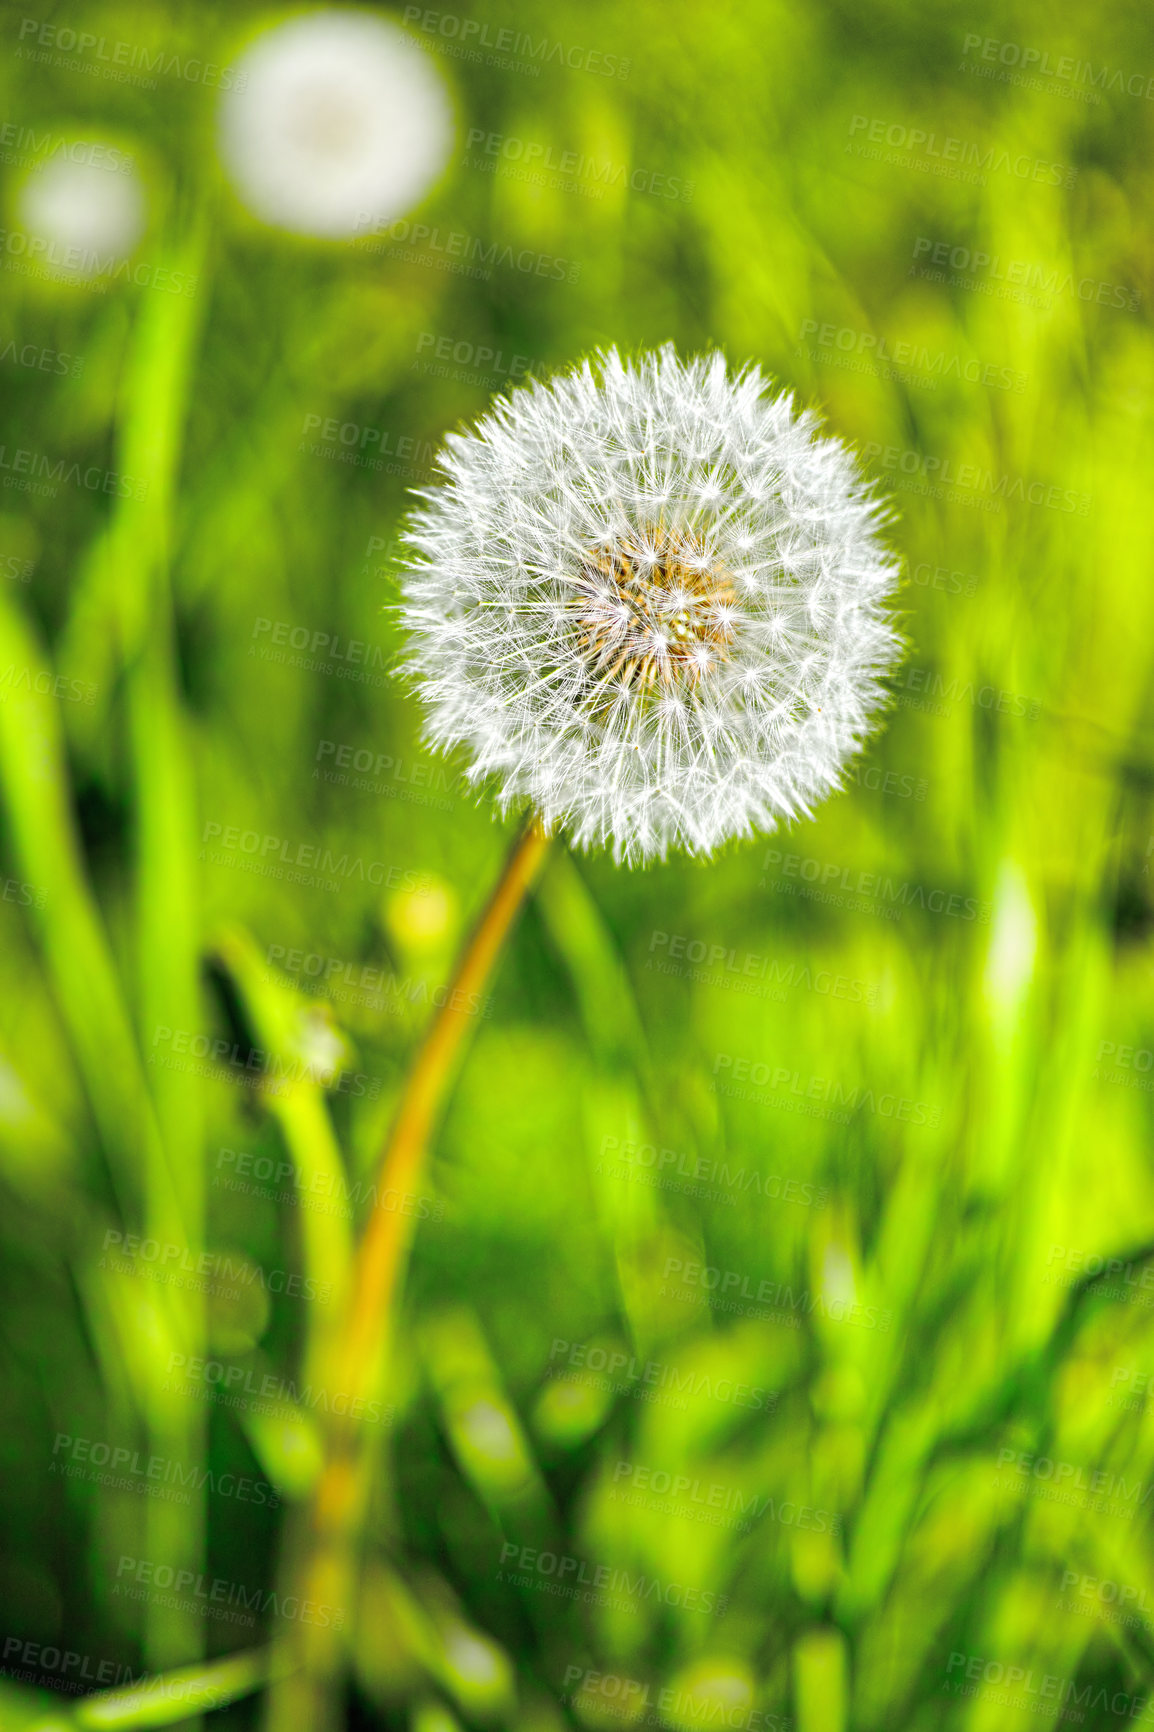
321,1550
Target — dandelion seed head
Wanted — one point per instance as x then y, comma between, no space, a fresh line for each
90,214
337,120
649,600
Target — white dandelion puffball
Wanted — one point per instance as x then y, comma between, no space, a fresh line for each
650,601
90,214
337,120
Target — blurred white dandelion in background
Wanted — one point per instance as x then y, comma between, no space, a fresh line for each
87,209
337,120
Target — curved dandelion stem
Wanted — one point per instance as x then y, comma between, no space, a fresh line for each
321,1560
382,1250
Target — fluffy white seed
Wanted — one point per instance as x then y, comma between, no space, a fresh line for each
90,214
337,120
651,603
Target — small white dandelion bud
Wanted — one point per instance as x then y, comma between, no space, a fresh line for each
337,120
90,215
650,601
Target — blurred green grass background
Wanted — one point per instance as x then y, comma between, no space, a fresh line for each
783,1270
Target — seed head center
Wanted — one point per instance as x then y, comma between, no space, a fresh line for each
654,613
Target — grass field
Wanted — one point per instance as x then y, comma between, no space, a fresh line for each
775,1344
